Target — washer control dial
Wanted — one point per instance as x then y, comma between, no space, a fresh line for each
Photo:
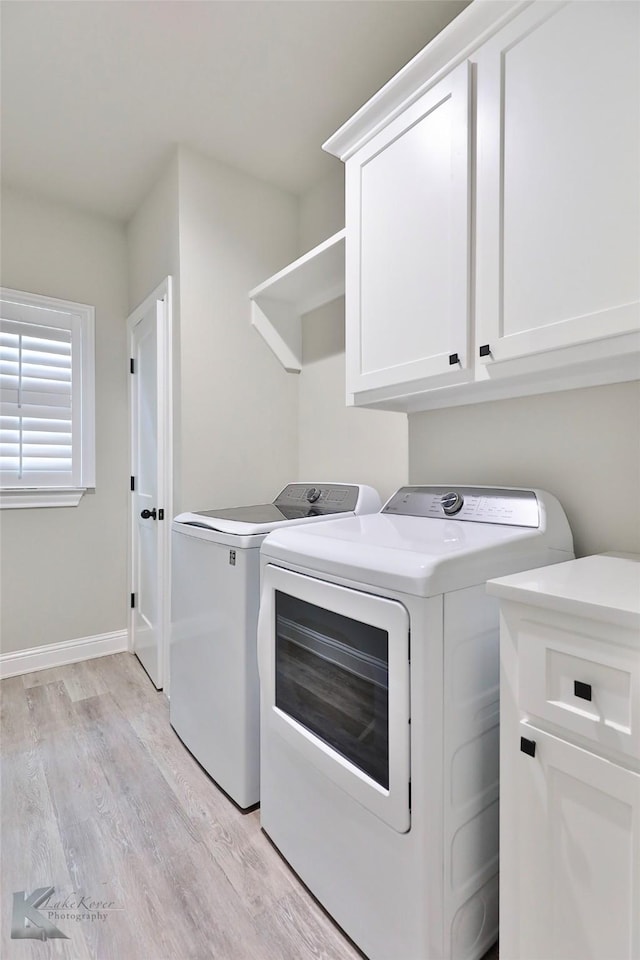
452,503
312,494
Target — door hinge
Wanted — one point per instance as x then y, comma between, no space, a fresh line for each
132,365
133,483
160,514
133,601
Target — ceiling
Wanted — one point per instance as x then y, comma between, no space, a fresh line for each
95,94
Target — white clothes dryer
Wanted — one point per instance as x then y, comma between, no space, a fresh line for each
379,672
214,695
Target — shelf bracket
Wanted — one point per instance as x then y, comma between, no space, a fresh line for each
278,304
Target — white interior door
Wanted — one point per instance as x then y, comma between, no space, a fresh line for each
150,482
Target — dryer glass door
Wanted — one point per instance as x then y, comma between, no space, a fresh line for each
334,674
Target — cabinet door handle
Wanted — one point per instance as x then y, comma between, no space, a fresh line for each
528,746
485,350
582,690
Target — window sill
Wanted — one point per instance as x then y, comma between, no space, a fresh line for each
63,497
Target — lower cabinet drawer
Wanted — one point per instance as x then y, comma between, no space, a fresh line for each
585,685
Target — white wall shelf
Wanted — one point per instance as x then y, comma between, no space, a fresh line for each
278,304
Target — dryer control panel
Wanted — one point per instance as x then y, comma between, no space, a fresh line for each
517,508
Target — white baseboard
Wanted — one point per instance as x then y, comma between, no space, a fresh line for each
60,654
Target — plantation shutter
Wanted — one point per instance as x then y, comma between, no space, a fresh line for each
36,405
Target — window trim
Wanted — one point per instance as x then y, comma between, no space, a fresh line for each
82,326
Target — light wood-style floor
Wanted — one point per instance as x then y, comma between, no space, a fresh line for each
99,798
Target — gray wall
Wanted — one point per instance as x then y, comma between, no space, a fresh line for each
64,568
153,253
152,236
219,233
237,428
581,445
337,442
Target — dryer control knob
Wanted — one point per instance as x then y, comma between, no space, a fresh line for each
452,503
312,494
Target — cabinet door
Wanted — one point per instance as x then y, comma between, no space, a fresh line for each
407,253
558,191
579,854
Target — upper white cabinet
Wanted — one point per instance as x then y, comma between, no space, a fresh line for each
558,161
409,191
493,210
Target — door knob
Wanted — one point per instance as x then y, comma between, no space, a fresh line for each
149,513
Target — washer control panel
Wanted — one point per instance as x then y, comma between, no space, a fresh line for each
518,508
331,498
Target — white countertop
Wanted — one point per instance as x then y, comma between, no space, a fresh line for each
603,587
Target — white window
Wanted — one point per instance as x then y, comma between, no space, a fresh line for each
47,400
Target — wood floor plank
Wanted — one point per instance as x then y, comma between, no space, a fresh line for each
50,708
245,854
112,744
81,681
151,893
199,796
56,730
15,719
128,683
111,833
41,677
299,932
258,875
32,855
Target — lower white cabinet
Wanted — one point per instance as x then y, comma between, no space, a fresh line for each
570,761
579,858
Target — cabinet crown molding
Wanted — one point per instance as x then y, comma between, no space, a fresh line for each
451,46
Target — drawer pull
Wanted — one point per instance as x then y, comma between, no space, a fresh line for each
582,690
528,746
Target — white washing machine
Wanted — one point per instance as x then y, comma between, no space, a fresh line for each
214,695
379,676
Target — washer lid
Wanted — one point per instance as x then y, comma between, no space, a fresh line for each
420,555
248,521
296,503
